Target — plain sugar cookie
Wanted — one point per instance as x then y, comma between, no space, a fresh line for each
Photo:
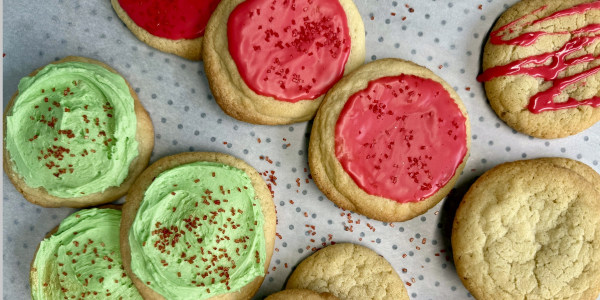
271,62
198,225
389,141
541,67
530,230
348,271
301,294
75,135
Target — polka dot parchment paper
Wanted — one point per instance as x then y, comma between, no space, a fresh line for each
444,35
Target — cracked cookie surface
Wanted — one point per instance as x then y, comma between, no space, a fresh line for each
348,271
530,230
301,294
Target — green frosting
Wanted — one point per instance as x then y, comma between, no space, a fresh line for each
72,129
198,232
82,260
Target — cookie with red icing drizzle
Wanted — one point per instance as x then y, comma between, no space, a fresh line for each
170,26
271,62
541,69
389,140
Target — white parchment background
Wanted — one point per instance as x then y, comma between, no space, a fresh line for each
444,35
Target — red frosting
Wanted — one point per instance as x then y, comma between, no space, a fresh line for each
536,66
401,138
173,19
290,50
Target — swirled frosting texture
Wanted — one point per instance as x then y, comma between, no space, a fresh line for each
82,260
198,232
72,129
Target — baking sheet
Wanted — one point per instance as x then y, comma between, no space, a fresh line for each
445,36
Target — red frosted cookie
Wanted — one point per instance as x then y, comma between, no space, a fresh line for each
271,62
389,141
175,26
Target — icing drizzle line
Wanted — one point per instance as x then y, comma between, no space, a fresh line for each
583,37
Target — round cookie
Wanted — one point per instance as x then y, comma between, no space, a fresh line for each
273,63
198,225
348,271
301,294
540,67
76,135
389,141
81,258
530,230
175,27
